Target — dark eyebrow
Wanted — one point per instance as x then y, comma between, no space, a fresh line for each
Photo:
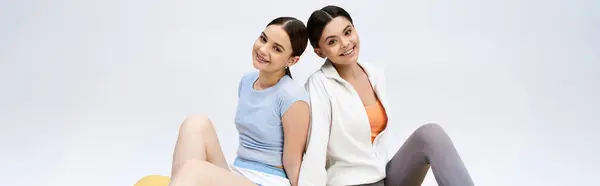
279,45
264,35
275,43
346,28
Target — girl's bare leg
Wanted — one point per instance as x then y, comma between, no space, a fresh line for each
198,156
197,140
202,173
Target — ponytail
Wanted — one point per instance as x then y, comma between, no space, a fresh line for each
287,72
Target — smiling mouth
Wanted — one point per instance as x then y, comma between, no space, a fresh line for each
261,59
351,51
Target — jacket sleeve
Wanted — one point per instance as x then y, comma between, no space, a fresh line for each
313,169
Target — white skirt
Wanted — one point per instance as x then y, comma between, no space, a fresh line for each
262,175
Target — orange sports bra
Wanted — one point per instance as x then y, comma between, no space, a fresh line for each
377,118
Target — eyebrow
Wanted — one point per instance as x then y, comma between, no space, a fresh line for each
264,35
328,37
275,43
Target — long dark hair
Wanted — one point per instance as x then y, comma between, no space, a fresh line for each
298,34
319,19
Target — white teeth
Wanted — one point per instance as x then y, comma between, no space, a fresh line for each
260,58
348,52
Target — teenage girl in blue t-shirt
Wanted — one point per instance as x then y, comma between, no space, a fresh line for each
270,105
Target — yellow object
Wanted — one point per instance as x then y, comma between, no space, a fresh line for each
153,180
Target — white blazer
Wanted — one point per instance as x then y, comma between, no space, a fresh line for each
339,149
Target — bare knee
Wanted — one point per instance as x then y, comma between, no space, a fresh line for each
196,123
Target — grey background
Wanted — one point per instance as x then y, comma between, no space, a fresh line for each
92,92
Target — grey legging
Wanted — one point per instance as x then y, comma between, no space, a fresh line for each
428,145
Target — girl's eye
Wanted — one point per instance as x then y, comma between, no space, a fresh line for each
263,39
348,32
331,42
277,49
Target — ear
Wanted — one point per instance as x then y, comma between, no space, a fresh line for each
293,61
319,53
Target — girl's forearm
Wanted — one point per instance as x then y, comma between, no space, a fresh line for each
292,169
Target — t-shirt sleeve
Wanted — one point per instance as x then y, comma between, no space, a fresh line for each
291,95
244,81
240,86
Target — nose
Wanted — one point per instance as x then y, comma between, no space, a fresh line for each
345,43
262,50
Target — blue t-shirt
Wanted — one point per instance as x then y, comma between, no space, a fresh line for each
258,121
